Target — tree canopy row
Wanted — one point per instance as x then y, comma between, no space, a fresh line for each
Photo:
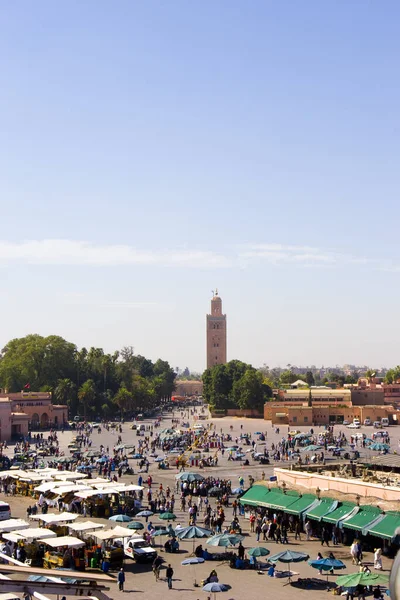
235,385
91,382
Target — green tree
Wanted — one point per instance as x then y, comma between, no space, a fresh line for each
39,361
87,395
310,378
250,390
124,400
287,377
65,393
392,375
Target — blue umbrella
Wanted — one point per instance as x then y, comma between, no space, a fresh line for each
159,532
192,561
312,448
192,532
215,587
378,447
238,490
190,477
327,564
225,539
145,513
289,556
121,518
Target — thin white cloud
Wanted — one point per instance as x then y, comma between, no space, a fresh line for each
81,253
280,253
308,256
81,299
70,252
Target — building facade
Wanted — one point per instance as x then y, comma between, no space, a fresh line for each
24,411
216,333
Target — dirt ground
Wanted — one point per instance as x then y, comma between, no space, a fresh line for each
244,584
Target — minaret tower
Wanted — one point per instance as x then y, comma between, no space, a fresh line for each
216,333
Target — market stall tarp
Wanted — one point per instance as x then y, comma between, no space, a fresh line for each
280,500
386,528
33,533
52,518
13,525
66,540
325,506
361,520
346,509
85,526
91,493
255,496
302,504
112,534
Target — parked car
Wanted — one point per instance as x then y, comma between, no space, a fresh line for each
380,434
377,424
367,422
139,549
354,426
346,422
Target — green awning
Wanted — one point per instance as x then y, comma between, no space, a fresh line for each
361,520
301,504
325,506
386,528
340,513
255,496
280,501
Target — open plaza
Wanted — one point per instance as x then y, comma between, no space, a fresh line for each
248,476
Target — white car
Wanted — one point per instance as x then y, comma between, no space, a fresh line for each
367,422
346,422
140,550
353,426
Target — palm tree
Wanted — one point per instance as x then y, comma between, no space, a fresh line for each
64,391
87,395
123,399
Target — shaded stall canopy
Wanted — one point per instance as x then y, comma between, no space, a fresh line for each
113,534
51,518
325,506
365,516
66,540
33,533
85,526
345,510
384,528
13,525
255,496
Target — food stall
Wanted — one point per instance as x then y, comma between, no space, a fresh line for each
112,546
28,538
13,525
66,552
57,522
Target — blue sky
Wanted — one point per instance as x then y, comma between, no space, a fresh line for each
152,151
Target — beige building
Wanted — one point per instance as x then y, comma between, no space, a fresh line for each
216,333
189,387
22,411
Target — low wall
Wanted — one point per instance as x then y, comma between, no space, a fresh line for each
246,412
338,484
233,412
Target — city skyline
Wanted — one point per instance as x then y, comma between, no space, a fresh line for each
156,151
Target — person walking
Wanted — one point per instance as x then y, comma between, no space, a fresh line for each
121,579
170,574
156,567
307,529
